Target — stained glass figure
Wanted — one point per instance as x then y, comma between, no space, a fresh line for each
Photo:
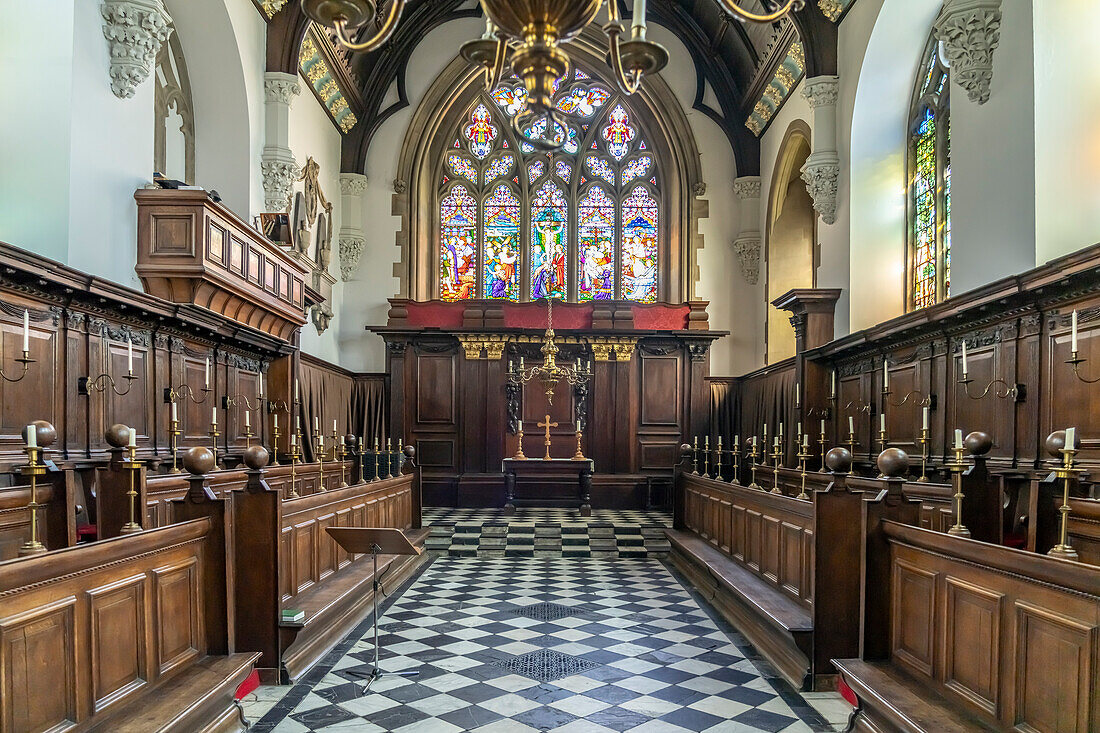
947,214
636,168
924,200
462,167
639,246
563,169
549,242
599,167
481,131
583,101
535,169
458,254
596,246
502,244
510,99
500,167
618,133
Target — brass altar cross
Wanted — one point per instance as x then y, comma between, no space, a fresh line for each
546,442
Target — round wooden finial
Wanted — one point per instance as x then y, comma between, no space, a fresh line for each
839,460
1056,441
978,443
351,440
46,434
893,462
199,460
256,457
685,449
117,436
410,452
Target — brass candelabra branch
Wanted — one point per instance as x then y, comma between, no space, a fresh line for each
1075,361
920,399
1016,391
174,394
1067,472
957,468
85,386
26,361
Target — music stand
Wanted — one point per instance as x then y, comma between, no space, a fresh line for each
375,540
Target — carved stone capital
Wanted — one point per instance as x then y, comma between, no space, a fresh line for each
821,173
135,30
280,87
748,253
970,31
821,91
351,249
747,187
353,184
280,171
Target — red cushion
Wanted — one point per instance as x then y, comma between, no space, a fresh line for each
435,314
846,692
251,682
660,317
533,315
86,530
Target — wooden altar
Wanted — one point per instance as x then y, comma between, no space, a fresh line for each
554,482
449,394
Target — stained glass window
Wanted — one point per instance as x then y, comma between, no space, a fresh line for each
930,182
582,224
502,245
639,250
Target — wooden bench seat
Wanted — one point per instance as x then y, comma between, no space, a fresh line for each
199,700
777,625
335,605
891,701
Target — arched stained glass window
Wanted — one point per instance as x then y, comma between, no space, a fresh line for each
929,261
581,223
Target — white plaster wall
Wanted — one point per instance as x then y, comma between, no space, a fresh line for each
992,175
34,125
1067,134
313,134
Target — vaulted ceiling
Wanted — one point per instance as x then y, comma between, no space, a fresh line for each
749,67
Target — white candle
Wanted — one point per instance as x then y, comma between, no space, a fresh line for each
806,440
1073,332
130,355
175,416
638,21
297,424
822,427
736,441
31,436
247,419
208,371
765,432
924,418
214,416
799,428
958,438
521,363
316,424
832,388
882,422
133,439
27,332
276,418
965,370
797,395
334,427
1071,437
851,425
295,389
780,433
261,385
885,375
293,440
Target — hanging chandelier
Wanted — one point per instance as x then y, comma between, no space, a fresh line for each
525,37
549,372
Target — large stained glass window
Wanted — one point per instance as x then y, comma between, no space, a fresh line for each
929,262
582,223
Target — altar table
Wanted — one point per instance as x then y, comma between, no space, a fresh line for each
557,482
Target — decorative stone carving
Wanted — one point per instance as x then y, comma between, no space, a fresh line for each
273,6
821,91
279,176
748,253
281,87
831,9
970,31
747,187
353,184
699,188
322,317
821,173
135,30
399,185
351,249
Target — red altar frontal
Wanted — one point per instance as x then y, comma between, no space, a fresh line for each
450,395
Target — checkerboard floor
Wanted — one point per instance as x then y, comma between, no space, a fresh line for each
517,645
546,533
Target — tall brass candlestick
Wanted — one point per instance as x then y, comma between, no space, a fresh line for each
248,436
33,469
275,446
881,447
736,456
174,432
851,443
319,450
389,458
803,456
132,465
362,464
338,454
924,442
776,454
718,460
706,456
695,456
214,441
957,468
376,464
823,469
295,455
752,465
1064,550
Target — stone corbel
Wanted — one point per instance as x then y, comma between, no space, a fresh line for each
748,254
351,249
135,30
352,236
279,171
821,173
970,31
322,317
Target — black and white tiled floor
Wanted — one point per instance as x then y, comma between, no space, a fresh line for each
547,533
515,645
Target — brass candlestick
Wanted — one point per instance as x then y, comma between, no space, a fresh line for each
248,436
752,466
339,452
214,441
695,456
736,459
1064,550
852,443
376,477
923,441
803,456
519,443
295,456
33,469
776,455
132,465
881,447
823,447
389,459
174,432
579,456
319,451
956,470
764,451
706,456
362,463
718,460
275,445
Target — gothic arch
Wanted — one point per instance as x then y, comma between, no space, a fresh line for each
447,100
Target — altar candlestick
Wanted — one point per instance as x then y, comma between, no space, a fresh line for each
1073,332
958,438
32,436
924,418
130,356
27,332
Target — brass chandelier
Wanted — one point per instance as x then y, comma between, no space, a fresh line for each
549,372
526,36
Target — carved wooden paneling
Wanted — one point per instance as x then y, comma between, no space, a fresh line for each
972,639
178,602
435,389
1056,671
914,603
793,563
38,661
660,400
304,538
118,639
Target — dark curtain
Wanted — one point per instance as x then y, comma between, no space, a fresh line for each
356,402
725,405
767,397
